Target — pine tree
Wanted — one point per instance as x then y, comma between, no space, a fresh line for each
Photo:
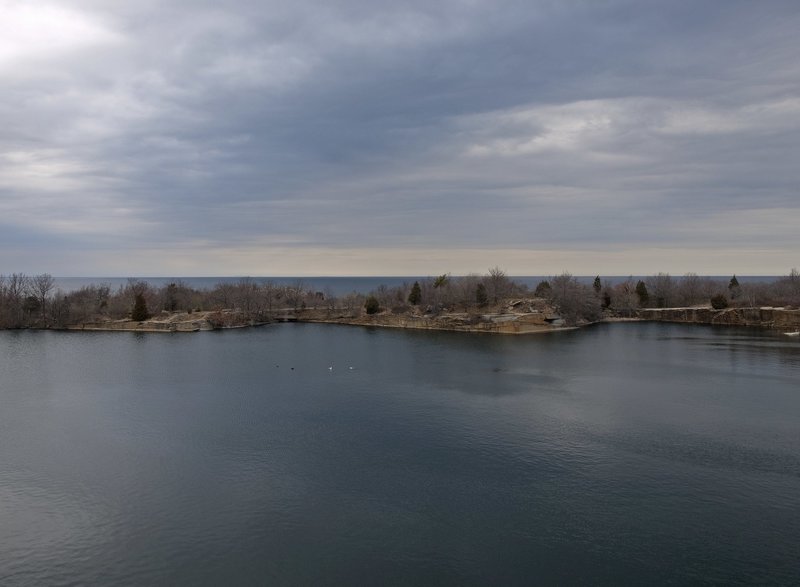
734,288
641,291
371,305
597,286
543,290
415,297
139,312
481,297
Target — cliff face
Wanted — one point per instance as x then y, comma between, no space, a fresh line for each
778,318
512,322
177,322
516,317
512,319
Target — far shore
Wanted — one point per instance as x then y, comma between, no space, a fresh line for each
519,323
491,303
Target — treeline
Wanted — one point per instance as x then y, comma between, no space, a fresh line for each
488,293
664,291
578,302
34,301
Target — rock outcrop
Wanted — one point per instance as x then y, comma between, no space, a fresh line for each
518,317
778,318
173,322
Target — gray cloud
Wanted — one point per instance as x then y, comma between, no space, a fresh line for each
239,132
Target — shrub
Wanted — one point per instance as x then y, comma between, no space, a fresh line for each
371,305
719,301
543,290
415,297
641,291
481,297
139,312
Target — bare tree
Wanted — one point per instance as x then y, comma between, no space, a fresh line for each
428,293
624,298
177,296
17,286
661,289
295,294
3,302
575,301
443,291
41,286
465,288
353,302
223,294
330,298
787,289
384,296
498,284
269,294
245,294
689,290
85,304
138,290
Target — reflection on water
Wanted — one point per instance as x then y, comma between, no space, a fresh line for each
316,454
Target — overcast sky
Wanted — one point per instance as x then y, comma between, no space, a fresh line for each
399,138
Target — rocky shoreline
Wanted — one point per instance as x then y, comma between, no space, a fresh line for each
766,318
516,319
762,317
173,322
524,320
500,323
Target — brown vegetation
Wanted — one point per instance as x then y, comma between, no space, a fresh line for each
33,302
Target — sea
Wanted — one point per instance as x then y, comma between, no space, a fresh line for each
313,454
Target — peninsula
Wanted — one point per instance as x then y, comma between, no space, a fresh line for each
491,303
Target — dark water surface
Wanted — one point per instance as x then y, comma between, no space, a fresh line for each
629,453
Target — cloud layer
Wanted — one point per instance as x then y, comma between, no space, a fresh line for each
358,137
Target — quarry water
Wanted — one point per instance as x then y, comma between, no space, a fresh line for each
302,454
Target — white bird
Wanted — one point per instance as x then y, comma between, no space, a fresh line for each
330,368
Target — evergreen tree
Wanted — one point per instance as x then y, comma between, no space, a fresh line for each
543,290
719,301
171,297
481,296
371,305
415,297
139,312
734,288
597,286
641,291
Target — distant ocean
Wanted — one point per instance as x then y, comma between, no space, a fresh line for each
338,286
